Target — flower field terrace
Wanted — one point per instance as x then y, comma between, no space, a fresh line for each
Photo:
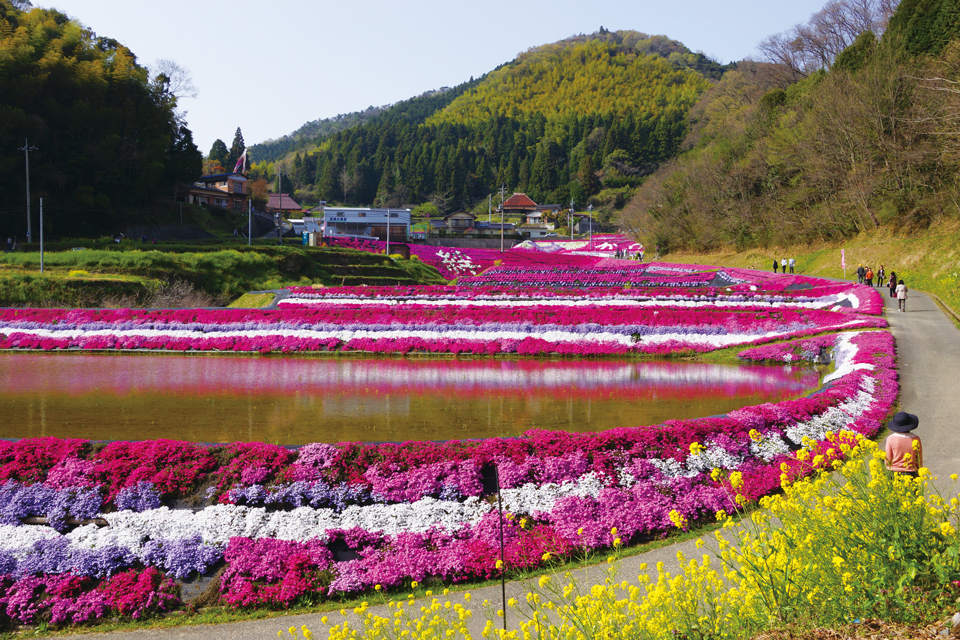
329,324
456,262
344,518
838,297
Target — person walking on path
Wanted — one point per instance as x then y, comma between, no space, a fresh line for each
776,265
904,450
869,276
881,276
783,265
861,273
902,296
893,284
793,263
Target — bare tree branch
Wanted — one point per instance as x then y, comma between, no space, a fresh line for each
178,79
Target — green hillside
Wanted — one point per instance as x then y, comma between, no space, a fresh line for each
869,142
562,121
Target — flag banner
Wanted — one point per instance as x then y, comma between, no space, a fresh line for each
843,259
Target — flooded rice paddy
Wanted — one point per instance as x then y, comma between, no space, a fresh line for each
299,400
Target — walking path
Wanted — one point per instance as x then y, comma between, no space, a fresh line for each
928,352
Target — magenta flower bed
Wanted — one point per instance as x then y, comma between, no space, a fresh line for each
70,599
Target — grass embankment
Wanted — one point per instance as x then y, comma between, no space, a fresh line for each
201,275
927,260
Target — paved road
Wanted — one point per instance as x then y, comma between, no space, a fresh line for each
928,358
928,350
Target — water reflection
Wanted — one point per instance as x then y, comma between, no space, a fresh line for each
299,400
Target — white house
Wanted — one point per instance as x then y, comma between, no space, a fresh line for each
365,222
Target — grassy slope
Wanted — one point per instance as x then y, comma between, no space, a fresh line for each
97,277
928,260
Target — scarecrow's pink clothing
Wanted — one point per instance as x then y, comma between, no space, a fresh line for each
900,445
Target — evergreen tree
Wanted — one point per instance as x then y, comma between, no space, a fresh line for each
219,152
587,174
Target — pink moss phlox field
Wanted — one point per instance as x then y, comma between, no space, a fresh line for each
272,572
387,514
251,463
374,328
31,459
639,474
173,467
792,351
70,599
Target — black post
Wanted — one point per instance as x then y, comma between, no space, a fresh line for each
491,482
503,561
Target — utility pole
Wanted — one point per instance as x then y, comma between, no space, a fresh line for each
388,231
590,211
41,235
26,148
249,222
279,205
501,216
571,219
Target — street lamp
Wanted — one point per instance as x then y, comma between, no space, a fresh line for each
590,211
280,175
26,148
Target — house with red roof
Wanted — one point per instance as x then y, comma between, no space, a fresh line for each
519,203
282,203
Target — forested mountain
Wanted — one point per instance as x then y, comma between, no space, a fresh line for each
561,121
305,139
782,152
107,138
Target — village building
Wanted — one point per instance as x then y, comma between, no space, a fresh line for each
365,222
225,190
586,224
283,204
519,203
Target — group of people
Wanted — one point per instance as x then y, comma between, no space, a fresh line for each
784,264
865,275
623,254
897,288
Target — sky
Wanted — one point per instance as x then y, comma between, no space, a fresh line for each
268,68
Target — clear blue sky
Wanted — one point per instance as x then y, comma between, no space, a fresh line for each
269,67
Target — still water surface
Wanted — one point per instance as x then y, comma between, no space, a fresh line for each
301,400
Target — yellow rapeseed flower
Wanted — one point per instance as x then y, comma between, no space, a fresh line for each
736,480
